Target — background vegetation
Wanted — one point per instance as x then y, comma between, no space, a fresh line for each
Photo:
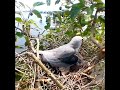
87,19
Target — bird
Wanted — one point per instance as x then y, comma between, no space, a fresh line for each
63,56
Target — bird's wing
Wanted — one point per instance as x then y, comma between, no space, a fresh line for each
69,60
63,51
63,54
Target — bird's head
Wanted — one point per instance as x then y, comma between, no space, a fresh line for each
76,42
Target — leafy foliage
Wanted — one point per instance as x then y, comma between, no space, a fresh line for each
18,19
26,23
85,18
57,1
37,13
38,4
19,34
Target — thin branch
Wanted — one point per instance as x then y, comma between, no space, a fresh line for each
38,44
19,71
93,24
87,75
32,47
35,29
37,85
93,28
18,54
94,20
21,30
89,68
41,33
87,85
34,77
96,43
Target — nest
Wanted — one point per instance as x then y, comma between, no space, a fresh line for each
29,76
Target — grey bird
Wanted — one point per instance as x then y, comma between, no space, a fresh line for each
63,56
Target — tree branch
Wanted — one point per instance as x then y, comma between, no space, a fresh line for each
32,47
37,85
38,44
21,30
94,20
96,43
89,76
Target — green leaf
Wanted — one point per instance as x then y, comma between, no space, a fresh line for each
99,38
78,33
18,76
33,22
82,2
100,31
22,4
19,34
102,19
48,19
103,26
86,32
83,22
87,18
18,47
37,13
92,7
57,1
27,43
18,19
90,10
48,35
38,4
98,1
67,6
99,5
69,33
59,16
66,13
75,10
41,47
58,30
47,26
